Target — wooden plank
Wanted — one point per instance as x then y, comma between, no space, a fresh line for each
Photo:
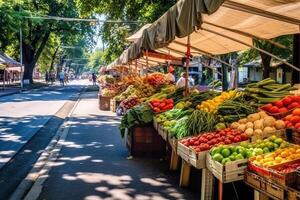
185,174
207,184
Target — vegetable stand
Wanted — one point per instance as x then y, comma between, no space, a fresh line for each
219,133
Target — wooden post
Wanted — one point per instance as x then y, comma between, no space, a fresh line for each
220,190
185,174
174,164
296,59
136,67
188,55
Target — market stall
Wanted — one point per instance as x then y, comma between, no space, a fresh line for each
230,136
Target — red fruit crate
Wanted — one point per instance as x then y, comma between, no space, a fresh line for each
278,115
258,170
284,179
230,172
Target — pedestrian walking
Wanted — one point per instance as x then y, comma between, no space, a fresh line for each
94,77
66,80
52,77
62,78
47,77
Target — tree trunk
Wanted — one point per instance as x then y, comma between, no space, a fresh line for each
31,56
265,60
53,58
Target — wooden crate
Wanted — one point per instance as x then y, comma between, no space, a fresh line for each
104,103
232,171
275,191
144,141
162,132
293,194
254,181
197,160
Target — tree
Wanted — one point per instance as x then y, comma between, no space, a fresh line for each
36,31
95,61
252,54
114,35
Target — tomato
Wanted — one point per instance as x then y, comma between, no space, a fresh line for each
227,141
293,105
244,136
274,109
279,104
295,120
230,137
297,126
267,107
296,111
287,101
237,138
156,109
294,98
283,110
214,141
289,125
209,137
297,99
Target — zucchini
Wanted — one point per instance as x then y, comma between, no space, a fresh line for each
266,82
267,100
282,87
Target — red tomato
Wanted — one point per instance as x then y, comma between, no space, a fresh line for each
267,107
283,110
293,105
297,126
287,101
296,111
227,141
237,138
289,125
289,117
244,136
295,120
274,109
279,104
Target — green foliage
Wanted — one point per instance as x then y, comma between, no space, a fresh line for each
114,35
95,61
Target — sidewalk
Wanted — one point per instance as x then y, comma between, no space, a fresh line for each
93,163
9,91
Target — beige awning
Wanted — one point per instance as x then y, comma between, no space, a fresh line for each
138,34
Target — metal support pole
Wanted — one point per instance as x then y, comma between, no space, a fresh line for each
21,57
188,55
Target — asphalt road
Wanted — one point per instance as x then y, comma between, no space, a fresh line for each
28,121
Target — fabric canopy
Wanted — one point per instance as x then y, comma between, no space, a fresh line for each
216,27
8,61
138,34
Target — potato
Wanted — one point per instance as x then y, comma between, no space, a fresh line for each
242,127
249,125
269,121
249,131
279,124
243,121
253,117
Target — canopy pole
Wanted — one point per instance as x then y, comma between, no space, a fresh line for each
205,53
136,67
147,64
260,12
251,46
187,65
247,34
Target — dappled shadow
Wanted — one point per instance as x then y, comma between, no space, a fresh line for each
93,165
16,132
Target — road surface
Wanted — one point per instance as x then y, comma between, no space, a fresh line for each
28,122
